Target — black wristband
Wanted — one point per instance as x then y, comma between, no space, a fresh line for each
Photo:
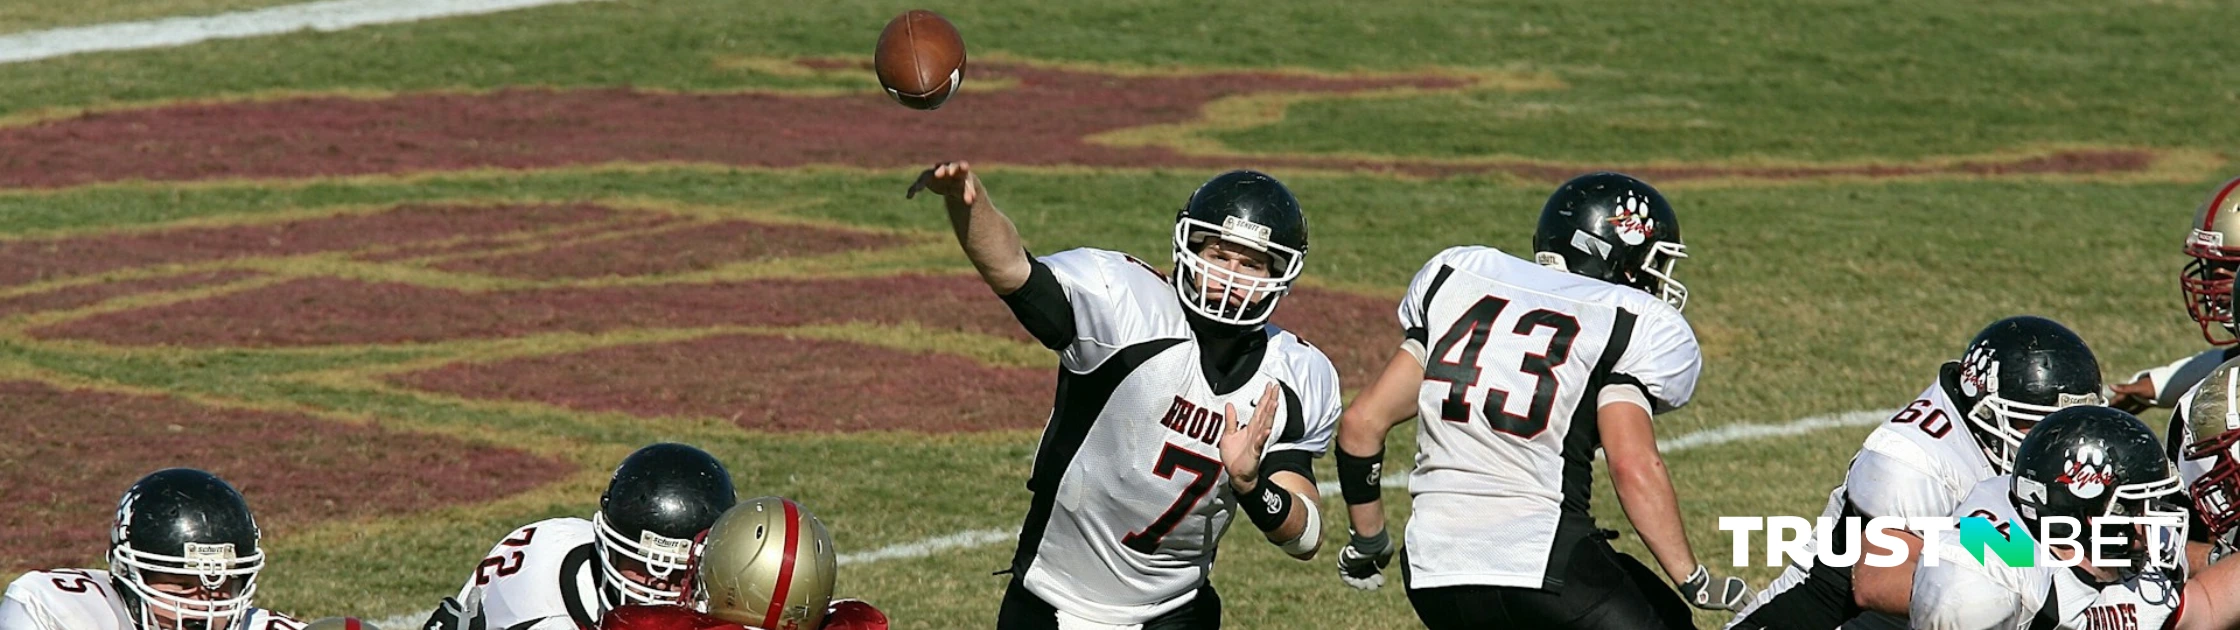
1358,477
1267,505
1372,545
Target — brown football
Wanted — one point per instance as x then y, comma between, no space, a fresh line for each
920,59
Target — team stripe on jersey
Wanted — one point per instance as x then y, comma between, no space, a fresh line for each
785,568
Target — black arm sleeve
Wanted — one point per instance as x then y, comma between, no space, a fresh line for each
1295,461
1041,307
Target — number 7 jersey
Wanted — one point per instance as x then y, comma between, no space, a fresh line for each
1515,355
1130,495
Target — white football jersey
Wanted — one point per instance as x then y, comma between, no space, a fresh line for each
540,577
1920,463
1960,593
85,599
1130,495
1515,355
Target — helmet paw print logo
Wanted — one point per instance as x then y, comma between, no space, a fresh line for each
2087,475
123,529
1976,370
1632,219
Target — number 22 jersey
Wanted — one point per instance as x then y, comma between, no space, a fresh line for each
1515,356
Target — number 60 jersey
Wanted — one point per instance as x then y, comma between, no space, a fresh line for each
87,599
1515,356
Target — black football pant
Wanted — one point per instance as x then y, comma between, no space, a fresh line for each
1022,610
1601,589
1822,601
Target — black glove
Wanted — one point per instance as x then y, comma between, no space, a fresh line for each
1701,591
451,615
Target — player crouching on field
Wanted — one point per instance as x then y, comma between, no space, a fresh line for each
563,573
2204,441
184,554
2081,463
767,564
1962,429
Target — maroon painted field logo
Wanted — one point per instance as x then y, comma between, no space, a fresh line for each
768,323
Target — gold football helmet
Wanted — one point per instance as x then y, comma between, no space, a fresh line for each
341,623
767,564
2208,449
2214,245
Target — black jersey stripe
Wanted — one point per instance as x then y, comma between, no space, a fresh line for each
1079,400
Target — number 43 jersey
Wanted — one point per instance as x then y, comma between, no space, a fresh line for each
1130,495
1515,356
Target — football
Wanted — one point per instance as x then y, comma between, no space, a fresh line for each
920,59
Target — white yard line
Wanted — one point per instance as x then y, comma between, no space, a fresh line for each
983,537
332,15
929,546
406,621
1708,437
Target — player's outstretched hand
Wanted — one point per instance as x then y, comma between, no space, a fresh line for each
1709,593
1241,440
948,179
1361,563
2132,397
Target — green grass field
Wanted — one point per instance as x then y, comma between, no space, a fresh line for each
1812,295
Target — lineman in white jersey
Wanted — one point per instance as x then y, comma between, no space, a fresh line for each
2204,441
1144,466
184,554
1520,371
2084,463
563,573
1920,464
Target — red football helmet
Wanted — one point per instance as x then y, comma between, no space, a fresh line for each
2215,248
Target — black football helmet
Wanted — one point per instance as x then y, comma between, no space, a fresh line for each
2015,372
1613,228
2087,462
660,500
183,552
1248,208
